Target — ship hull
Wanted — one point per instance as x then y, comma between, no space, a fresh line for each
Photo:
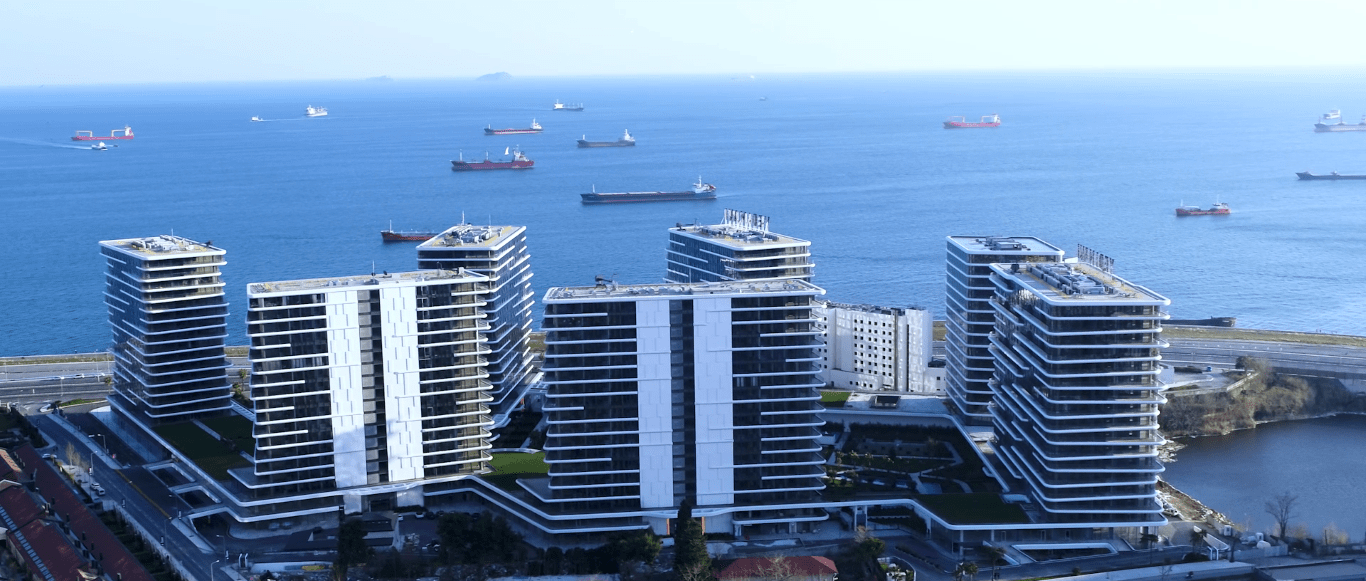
101,138
1180,212
509,131
962,125
1324,128
490,165
629,197
391,236
583,143
1304,175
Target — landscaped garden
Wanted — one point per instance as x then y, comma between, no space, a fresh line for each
509,466
211,455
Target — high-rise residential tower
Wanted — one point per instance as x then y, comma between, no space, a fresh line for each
500,253
169,319
740,248
1077,391
367,388
658,394
969,317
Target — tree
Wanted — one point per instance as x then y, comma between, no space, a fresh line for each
351,548
1281,508
994,555
641,546
690,544
1148,540
970,569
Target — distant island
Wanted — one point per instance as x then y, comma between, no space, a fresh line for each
380,79
499,76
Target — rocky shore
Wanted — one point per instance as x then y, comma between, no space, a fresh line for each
1186,508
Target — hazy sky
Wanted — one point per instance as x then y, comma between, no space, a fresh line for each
76,42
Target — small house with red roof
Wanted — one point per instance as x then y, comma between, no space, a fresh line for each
785,568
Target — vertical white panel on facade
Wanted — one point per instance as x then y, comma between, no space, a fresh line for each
344,378
654,403
714,401
402,400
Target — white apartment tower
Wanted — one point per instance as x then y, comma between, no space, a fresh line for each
1077,390
168,315
878,348
740,248
703,392
367,388
499,253
969,317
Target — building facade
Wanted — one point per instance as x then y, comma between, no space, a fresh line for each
367,388
658,394
169,316
879,348
740,248
969,317
499,253
1077,391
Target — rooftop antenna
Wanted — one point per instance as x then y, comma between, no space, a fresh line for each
372,268
462,217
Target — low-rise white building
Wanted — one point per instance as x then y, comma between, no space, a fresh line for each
879,348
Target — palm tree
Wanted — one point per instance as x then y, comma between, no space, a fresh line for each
995,555
971,569
960,571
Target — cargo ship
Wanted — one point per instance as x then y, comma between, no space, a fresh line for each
1218,209
699,191
1325,124
312,111
1304,175
392,235
518,161
992,120
625,141
125,133
558,106
535,128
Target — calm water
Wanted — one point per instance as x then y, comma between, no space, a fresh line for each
859,165
1319,460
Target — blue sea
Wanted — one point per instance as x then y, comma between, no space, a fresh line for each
858,164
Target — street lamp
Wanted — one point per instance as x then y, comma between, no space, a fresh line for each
212,567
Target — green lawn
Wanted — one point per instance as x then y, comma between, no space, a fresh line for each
509,466
205,451
235,428
835,399
972,509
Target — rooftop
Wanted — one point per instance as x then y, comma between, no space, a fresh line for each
471,236
741,230
385,279
613,290
162,246
881,310
1070,282
1005,245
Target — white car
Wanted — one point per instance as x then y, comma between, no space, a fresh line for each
97,488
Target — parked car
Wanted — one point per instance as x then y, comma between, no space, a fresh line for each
97,488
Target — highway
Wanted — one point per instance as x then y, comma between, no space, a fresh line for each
1336,361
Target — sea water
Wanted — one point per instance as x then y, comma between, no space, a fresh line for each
857,164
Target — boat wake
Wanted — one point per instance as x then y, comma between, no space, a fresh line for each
43,143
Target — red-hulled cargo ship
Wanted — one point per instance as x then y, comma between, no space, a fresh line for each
519,161
1219,209
535,128
125,133
992,120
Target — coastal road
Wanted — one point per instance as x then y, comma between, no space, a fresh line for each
1336,361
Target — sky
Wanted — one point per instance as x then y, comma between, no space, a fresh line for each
150,41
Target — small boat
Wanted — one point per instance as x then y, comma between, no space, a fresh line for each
1218,209
535,128
558,106
518,161
125,133
392,235
99,146
992,120
1304,175
625,141
699,191
312,111
254,118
